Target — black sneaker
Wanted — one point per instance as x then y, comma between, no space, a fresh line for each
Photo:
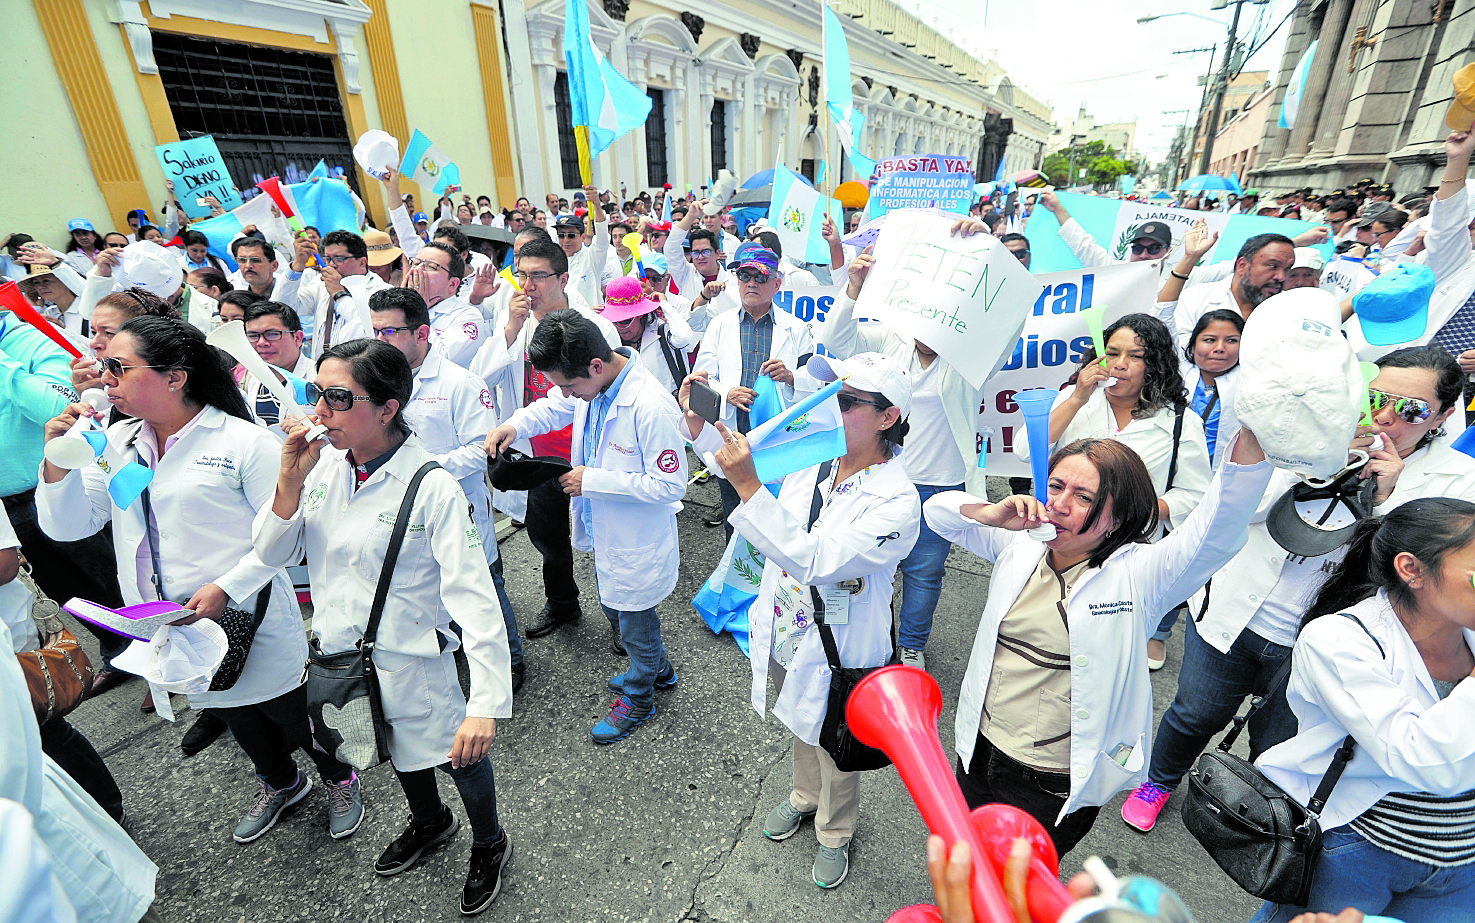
484,879
519,673
406,849
204,732
616,645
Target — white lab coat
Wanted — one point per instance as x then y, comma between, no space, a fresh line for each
1228,422
1370,681
689,282
500,365
457,329
1152,440
722,358
587,269
1110,612
1194,303
96,870
313,303
411,244
1241,588
441,575
205,491
861,534
843,337
450,412
633,485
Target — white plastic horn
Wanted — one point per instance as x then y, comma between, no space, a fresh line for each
71,450
231,338
358,292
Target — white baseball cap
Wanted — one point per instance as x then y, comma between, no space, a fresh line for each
872,372
1308,258
1299,387
148,266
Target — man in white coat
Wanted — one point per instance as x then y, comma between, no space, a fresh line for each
336,315
457,328
757,340
275,332
542,274
450,411
627,482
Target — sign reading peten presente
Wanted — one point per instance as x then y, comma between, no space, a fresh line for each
964,297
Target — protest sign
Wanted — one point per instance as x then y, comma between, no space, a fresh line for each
923,181
197,171
1050,347
1132,215
965,297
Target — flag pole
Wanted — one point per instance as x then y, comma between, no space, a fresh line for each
824,115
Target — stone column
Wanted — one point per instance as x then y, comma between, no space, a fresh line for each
1328,57
1339,90
1273,142
524,106
548,117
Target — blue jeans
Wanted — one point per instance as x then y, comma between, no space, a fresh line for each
921,578
640,632
1165,626
477,788
1211,688
1355,873
514,642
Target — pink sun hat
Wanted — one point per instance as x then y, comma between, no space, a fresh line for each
624,299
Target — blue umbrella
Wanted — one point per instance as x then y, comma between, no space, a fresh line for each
1207,182
761,178
1160,195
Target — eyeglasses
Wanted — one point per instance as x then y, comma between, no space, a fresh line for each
116,368
1020,255
705,251
261,260
340,258
339,399
847,401
270,336
1407,409
1152,249
428,264
389,331
533,276
572,235
752,275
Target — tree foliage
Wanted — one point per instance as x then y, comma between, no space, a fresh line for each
1096,164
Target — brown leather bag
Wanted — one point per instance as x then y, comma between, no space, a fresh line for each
58,672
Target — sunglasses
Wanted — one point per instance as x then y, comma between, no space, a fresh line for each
339,399
1020,255
1407,409
752,275
846,400
116,368
1152,249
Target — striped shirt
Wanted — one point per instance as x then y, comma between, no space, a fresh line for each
1435,830
755,342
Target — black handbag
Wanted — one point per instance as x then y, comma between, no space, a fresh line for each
849,754
240,626
344,714
1259,835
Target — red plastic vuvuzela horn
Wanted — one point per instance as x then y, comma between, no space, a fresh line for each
13,301
272,186
999,825
895,710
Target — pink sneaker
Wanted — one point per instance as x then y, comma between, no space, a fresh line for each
1144,805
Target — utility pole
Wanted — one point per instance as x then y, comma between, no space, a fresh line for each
1202,102
1220,86
1176,153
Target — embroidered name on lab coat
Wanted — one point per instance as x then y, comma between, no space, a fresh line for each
225,464
1117,608
616,447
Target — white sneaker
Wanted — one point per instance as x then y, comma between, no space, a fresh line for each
912,658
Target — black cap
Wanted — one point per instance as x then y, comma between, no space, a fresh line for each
1154,230
569,221
514,470
1365,181
1315,520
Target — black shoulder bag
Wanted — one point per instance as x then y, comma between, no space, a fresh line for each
1260,836
344,714
849,754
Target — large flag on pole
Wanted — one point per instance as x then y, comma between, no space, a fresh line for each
424,163
839,99
1295,88
605,105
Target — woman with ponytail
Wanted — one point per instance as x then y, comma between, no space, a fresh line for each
1385,656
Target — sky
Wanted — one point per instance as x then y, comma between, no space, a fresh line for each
1094,53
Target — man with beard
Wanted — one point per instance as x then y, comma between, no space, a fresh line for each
1259,271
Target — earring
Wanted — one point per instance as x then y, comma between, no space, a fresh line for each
171,389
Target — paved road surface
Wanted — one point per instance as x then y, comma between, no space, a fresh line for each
665,826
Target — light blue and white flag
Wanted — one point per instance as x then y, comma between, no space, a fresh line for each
810,432
1296,87
796,213
424,163
126,479
605,105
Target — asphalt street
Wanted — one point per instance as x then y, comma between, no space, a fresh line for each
664,826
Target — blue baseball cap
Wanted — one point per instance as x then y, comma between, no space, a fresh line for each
754,256
80,224
418,217
657,262
1394,307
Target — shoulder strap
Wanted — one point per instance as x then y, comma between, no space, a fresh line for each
148,530
391,555
1276,684
673,360
1177,437
1340,759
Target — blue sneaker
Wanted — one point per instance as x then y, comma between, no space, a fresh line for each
621,720
617,683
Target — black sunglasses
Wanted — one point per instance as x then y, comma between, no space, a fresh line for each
752,275
847,400
1153,248
339,399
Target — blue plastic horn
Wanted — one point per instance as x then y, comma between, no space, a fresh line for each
1036,404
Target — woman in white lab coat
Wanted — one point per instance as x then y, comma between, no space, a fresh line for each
1056,709
213,469
867,523
338,503
1386,655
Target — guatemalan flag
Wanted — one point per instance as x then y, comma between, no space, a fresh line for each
810,432
1296,87
424,163
605,105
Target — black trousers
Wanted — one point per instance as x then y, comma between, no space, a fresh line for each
78,759
269,731
549,530
994,777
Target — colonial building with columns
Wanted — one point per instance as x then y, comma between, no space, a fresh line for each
281,84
